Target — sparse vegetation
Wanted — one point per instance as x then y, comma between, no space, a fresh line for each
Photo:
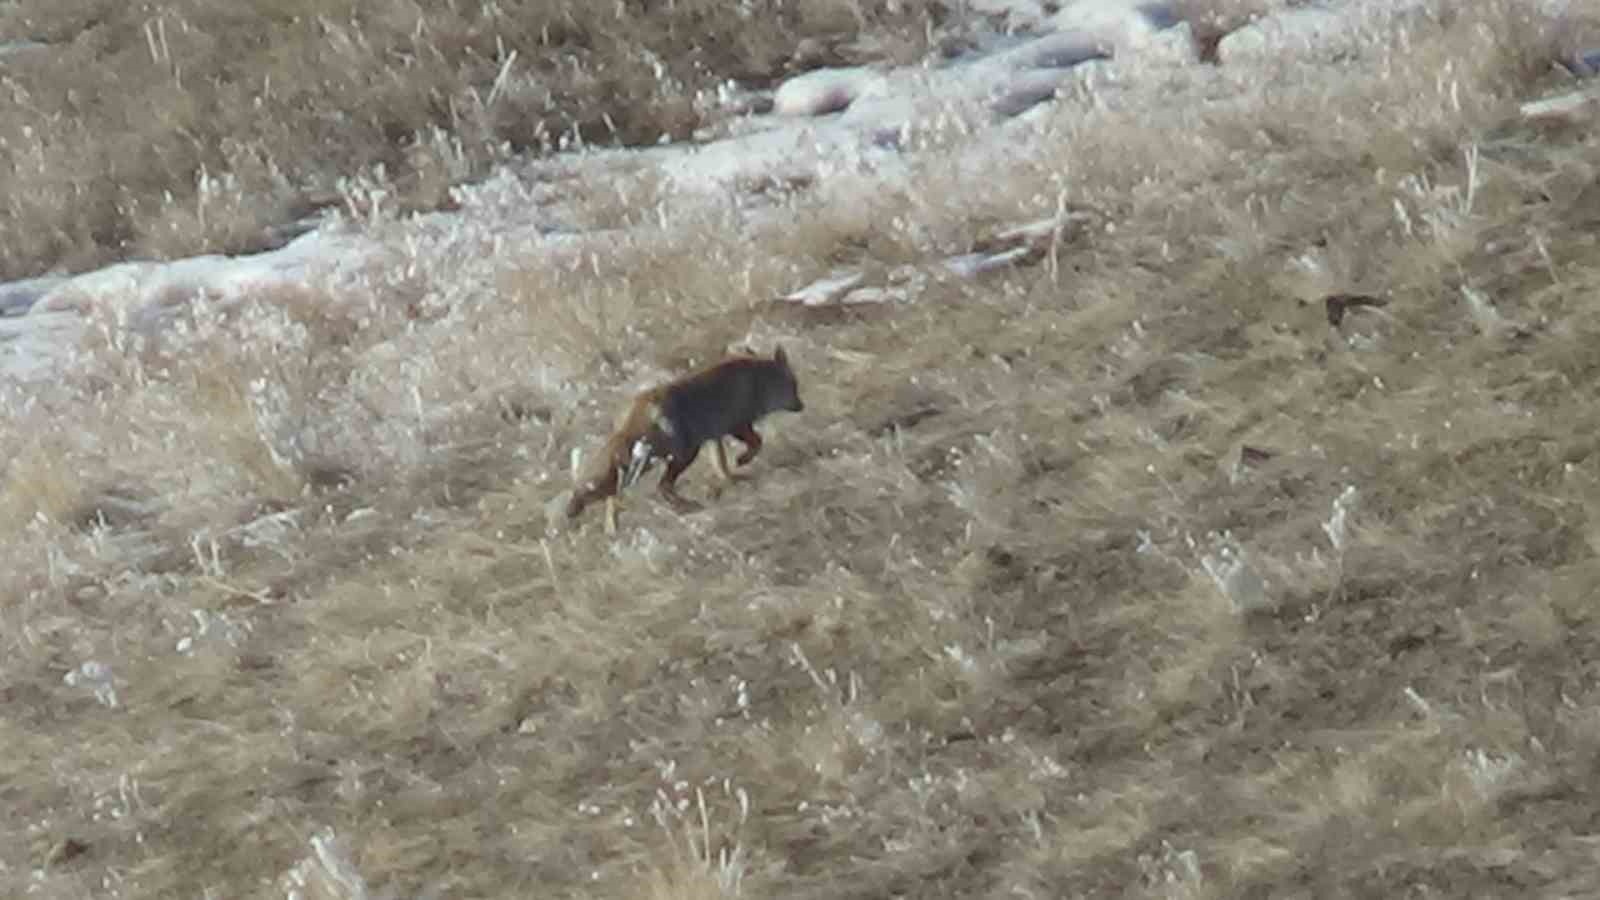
1120,574
226,119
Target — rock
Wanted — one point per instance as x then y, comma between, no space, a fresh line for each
1038,234
1572,106
76,294
1576,37
132,286
1120,24
1092,30
1175,46
1014,15
1160,15
142,293
826,290
276,237
1025,91
910,98
971,265
849,287
1584,62
13,47
1322,32
869,295
1289,34
17,297
1019,245
1233,575
847,295
1061,50
824,91
35,347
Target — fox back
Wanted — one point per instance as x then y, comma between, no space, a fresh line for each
721,399
673,420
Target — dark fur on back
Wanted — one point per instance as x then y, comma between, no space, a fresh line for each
673,421
718,400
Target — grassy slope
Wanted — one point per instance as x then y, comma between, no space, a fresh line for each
227,118
976,655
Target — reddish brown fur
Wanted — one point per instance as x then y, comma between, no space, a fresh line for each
674,420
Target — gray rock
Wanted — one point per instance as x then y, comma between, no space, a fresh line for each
824,91
9,48
971,265
828,289
36,347
1319,32
1572,106
1025,91
1017,15
1585,62
1122,24
1061,50
1160,15
17,297
1288,34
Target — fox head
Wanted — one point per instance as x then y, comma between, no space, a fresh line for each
782,391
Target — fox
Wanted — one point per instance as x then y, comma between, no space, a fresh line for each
673,421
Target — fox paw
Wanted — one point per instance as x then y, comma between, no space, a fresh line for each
683,504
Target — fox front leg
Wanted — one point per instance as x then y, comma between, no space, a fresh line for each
723,468
752,443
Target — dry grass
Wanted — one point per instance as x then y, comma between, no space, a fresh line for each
1009,610
226,120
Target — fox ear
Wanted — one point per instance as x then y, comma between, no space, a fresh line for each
780,357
